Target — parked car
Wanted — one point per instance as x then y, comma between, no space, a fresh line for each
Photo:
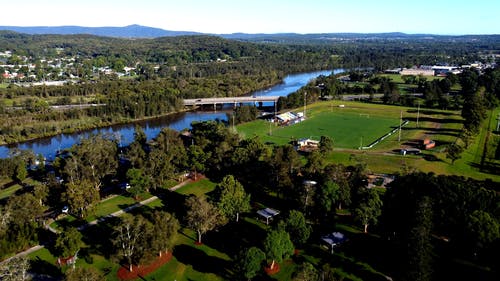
65,209
124,186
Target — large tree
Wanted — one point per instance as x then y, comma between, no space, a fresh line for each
81,197
295,224
369,208
130,234
95,158
249,262
277,246
419,243
482,229
232,198
139,182
201,215
68,242
165,227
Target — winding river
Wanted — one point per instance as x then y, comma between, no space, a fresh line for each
49,146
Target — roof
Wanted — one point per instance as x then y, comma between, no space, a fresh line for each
268,212
334,238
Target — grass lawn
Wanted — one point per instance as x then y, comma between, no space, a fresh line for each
344,126
103,209
347,128
197,188
4,193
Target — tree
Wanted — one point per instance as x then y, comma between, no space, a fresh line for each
315,162
21,172
419,243
81,197
128,235
453,152
337,174
68,242
483,228
95,158
369,208
24,209
232,198
306,272
249,262
165,227
139,183
325,145
295,224
197,158
328,197
83,274
201,215
277,246
15,269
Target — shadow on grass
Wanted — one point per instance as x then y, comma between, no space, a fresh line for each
234,237
43,267
431,112
99,236
202,262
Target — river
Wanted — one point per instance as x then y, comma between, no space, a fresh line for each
179,121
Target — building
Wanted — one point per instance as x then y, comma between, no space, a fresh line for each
307,145
417,71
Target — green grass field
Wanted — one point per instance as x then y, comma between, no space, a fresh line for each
347,129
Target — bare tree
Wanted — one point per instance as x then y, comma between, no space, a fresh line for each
15,269
202,216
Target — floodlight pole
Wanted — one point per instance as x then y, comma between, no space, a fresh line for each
418,112
400,122
305,102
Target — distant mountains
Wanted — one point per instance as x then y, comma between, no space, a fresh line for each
130,31
139,31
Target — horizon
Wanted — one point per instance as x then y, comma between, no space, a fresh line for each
257,33
445,17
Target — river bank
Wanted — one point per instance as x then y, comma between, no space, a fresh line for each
124,130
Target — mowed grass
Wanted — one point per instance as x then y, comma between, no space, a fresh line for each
347,128
197,188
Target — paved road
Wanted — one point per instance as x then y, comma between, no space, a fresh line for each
94,222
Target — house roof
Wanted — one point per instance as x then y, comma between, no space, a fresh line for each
268,212
334,238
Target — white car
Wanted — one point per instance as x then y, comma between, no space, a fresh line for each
65,210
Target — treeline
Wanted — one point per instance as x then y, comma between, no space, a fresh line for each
437,93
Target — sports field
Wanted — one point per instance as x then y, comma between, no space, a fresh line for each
347,128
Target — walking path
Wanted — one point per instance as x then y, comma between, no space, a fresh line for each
94,222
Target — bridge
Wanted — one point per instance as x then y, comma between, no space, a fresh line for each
230,100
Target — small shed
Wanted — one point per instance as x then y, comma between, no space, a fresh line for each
334,239
268,214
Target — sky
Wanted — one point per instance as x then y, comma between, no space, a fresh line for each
447,17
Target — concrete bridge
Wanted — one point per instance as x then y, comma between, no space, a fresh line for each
231,100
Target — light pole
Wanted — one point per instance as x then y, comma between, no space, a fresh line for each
418,112
305,102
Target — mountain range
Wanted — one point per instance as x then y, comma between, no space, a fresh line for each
139,31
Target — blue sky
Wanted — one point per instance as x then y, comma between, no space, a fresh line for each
265,16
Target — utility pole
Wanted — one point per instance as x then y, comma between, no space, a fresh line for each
400,123
418,112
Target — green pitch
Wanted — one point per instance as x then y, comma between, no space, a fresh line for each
348,129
